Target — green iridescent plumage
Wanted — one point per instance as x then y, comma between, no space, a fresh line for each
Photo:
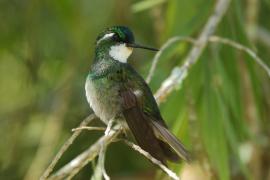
115,90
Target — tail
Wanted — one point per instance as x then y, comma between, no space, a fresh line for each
169,139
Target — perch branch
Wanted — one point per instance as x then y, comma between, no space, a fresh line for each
65,147
100,170
74,166
152,159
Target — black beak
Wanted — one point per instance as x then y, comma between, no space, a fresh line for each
134,45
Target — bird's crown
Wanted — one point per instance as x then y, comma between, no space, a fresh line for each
120,34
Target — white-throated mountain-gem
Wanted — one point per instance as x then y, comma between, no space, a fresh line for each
115,90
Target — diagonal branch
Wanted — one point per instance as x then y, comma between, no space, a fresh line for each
179,73
74,166
66,146
152,159
100,170
208,30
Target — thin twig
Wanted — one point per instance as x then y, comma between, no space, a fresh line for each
238,46
152,159
158,54
74,166
100,170
89,128
179,74
65,147
265,36
102,163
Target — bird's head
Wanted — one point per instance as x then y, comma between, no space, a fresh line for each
119,42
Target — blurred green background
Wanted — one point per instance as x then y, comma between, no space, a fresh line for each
221,112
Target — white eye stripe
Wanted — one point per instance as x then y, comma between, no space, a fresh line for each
106,36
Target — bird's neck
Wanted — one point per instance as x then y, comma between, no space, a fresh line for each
102,52
103,63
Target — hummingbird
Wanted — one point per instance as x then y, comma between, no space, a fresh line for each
115,90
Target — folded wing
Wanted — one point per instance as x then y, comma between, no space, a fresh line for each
145,122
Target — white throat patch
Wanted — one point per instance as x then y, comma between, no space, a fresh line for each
120,52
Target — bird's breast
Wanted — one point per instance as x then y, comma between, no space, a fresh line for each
103,96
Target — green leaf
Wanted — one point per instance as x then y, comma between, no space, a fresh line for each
145,5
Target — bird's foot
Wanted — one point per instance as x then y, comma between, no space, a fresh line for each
109,127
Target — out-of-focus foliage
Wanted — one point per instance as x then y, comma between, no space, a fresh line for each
221,112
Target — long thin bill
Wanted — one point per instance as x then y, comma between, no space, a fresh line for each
142,47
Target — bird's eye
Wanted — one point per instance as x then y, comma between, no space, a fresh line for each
116,37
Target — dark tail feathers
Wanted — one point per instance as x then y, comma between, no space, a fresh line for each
169,139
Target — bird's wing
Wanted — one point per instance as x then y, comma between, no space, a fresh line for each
144,120
139,125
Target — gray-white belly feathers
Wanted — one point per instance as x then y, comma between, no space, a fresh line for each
103,97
